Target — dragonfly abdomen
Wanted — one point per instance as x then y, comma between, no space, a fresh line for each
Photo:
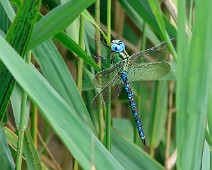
133,106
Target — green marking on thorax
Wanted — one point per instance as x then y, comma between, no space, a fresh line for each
118,57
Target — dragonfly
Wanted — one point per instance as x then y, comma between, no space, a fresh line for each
150,64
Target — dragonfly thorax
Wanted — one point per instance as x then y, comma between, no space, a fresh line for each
117,46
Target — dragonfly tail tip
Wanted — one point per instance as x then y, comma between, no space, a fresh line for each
143,141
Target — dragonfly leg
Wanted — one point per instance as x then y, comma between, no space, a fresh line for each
105,58
99,57
104,41
112,61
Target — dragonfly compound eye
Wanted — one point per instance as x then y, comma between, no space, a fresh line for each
117,46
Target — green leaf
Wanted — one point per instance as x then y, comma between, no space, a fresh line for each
8,9
6,160
193,85
155,6
130,155
57,20
208,137
18,37
209,115
58,75
16,98
29,151
138,20
124,126
75,48
77,137
86,14
33,160
65,40
159,112
206,157
144,11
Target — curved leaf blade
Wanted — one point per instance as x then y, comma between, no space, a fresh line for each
6,160
130,155
58,75
57,20
77,137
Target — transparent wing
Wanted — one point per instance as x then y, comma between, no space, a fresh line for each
148,71
101,99
155,54
105,77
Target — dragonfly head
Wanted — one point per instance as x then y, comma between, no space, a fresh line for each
117,46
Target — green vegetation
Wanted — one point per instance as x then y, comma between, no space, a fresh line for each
47,65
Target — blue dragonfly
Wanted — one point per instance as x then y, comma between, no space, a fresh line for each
146,65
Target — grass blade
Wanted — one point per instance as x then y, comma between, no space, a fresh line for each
29,151
58,75
6,160
130,155
18,36
74,47
193,87
77,137
57,20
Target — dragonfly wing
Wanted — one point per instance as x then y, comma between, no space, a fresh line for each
148,71
155,54
101,99
106,76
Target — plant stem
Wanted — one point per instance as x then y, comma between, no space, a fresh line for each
34,121
19,149
97,17
153,109
143,47
108,21
21,128
210,157
80,61
98,53
190,18
169,123
76,165
119,19
48,151
80,67
108,106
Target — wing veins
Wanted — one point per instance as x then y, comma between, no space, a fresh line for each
106,76
148,71
100,99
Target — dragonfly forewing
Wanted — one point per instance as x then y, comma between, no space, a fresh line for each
157,53
148,71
